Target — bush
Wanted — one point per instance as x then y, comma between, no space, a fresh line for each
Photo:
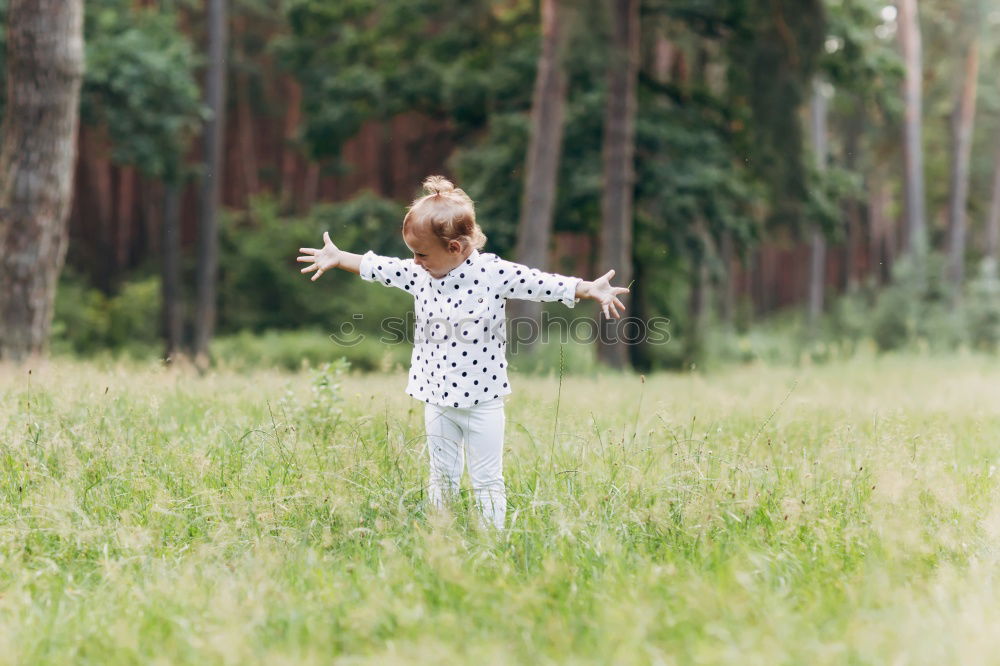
87,321
983,306
260,284
294,350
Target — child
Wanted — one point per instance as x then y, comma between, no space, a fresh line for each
458,367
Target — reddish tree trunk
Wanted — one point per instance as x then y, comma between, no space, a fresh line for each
171,278
289,155
817,253
913,158
123,217
962,124
38,153
618,154
248,149
544,150
208,241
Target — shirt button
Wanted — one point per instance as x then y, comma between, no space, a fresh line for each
480,300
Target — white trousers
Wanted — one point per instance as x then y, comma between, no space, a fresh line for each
478,433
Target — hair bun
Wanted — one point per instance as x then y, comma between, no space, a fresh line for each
438,185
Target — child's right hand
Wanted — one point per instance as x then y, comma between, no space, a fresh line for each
321,260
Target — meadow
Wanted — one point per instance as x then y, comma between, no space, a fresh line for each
838,514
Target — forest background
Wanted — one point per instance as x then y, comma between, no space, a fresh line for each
780,179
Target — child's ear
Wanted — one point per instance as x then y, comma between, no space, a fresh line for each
454,246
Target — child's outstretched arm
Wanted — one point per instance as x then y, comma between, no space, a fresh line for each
601,291
530,284
327,258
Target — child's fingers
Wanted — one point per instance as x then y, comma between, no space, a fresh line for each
326,238
618,303
318,273
610,274
620,290
604,306
308,250
310,269
306,258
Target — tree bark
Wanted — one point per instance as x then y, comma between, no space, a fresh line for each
37,157
727,304
618,152
962,125
698,298
289,155
208,242
817,252
248,148
542,163
854,243
171,285
913,159
123,220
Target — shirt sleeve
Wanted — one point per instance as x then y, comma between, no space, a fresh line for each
390,271
530,284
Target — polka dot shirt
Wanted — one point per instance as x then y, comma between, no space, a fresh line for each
460,335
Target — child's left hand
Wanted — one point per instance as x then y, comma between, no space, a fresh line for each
601,291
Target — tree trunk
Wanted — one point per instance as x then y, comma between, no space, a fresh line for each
124,221
817,253
37,157
728,283
171,285
618,154
248,148
542,164
913,159
694,342
853,245
962,124
208,242
993,221
289,155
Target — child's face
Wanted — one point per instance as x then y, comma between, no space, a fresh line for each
431,254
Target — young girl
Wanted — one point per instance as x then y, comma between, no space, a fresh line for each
458,367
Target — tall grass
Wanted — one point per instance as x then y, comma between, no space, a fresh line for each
841,514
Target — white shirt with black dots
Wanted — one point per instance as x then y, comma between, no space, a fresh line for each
460,329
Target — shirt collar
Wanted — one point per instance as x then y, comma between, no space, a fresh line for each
469,262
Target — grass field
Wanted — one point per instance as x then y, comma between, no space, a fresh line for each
843,514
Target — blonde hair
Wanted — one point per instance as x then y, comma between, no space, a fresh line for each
448,212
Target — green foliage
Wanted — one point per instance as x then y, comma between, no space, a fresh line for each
361,59
307,347
260,285
140,85
983,304
777,45
87,321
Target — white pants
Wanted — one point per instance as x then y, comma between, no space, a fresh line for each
480,429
